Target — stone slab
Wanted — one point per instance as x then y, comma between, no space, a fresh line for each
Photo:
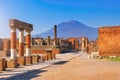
21,61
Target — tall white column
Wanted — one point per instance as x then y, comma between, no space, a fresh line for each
83,44
21,42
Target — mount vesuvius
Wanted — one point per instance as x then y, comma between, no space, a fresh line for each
72,28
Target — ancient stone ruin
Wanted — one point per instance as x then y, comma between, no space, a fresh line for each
109,41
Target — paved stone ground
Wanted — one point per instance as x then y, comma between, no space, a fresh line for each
23,70
79,68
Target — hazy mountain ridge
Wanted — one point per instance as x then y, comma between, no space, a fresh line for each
71,29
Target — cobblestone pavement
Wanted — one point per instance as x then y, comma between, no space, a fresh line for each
77,68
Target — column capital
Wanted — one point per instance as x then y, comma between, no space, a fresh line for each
13,29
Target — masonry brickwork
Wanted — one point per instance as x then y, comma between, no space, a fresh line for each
109,41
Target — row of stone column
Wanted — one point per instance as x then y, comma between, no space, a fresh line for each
21,43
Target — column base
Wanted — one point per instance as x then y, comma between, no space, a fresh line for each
35,58
21,61
43,57
53,56
3,64
49,56
28,60
12,63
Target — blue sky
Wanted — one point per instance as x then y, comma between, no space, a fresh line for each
43,14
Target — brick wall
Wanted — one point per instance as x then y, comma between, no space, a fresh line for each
1,44
109,41
38,51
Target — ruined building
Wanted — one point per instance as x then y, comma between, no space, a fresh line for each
4,47
79,43
109,41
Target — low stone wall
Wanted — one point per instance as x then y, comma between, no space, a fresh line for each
3,64
25,60
3,54
37,51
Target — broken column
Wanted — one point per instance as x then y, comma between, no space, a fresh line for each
48,40
83,44
55,35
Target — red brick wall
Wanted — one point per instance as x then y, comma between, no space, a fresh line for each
76,45
56,51
37,51
72,40
109,41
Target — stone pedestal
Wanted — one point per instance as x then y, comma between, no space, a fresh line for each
21,61
28,60
3,64
43,57
49,56
12,63
35,59
53,56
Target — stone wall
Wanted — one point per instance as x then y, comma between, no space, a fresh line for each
92,47
4,47
38,51
109,41
42,49
1,44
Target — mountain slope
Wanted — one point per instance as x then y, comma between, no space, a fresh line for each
71,29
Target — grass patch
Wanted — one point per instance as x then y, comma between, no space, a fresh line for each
114,59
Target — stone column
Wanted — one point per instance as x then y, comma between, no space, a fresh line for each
13,43
83,44
21,42
55,35
48,40
28,42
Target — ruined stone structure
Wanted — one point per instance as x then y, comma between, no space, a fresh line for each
21,26
109,41
55,35
48,43
15,47
5,47
1,44
79,43
93,46
38,41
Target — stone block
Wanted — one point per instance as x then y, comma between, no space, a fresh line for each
21,61
44,57
28,60
3,64
53,56
11,63
49,56
35,59
41,59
